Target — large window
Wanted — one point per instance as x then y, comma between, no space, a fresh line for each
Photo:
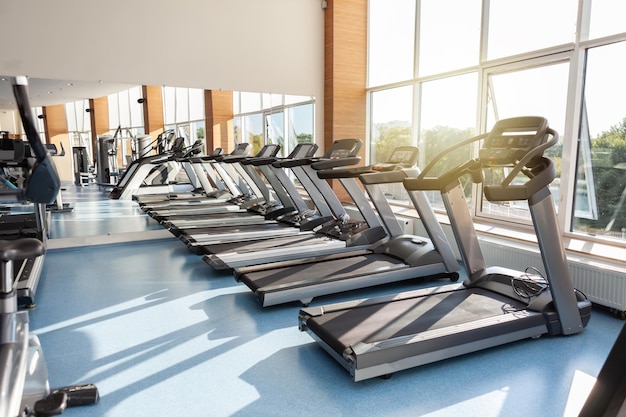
443,70
183,111
125,123
262,119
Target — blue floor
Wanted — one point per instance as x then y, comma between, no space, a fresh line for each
162,334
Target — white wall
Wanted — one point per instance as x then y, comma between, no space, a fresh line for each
8,121
270,46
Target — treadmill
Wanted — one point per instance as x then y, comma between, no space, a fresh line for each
254,193
494,305
216,184
291,216
151,175
400,257
329,217
232,256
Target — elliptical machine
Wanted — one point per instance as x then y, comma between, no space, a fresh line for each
24,386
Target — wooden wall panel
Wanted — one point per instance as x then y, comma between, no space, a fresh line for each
218,106
55,124
99,115
153,116
345,73
345,70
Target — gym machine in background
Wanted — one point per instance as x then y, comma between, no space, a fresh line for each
24,386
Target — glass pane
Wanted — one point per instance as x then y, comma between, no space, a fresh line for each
196,104
198,131
275,130
237,134
449,35
445,122
136,109
521,26
169,105
84,118
540,91
600,197
271,100
299,126
124,108
607,18
391,116
391,41
253,131
182,105
114,114
250,102
70,115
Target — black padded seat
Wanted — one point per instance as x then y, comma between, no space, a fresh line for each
13,250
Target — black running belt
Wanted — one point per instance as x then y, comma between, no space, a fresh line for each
382,321
208,216
317,272
218,230
265,243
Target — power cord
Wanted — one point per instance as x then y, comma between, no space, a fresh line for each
528,285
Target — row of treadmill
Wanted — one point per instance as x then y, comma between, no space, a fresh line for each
279,225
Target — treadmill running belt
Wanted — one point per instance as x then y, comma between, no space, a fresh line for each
257,245
213,233
316,272
382,321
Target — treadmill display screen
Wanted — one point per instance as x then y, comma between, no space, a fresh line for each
402,157
511,139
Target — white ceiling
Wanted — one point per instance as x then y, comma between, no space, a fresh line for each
45,92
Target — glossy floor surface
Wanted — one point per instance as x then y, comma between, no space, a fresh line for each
162,334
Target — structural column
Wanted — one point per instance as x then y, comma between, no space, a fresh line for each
218,107
55,125
345,70
153,119
99,112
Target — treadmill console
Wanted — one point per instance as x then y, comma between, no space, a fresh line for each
401,157
343,148
303,150
511,139
268,151
241,149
